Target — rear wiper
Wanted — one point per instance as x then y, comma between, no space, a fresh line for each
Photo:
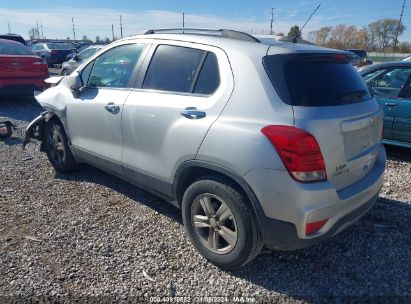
354,96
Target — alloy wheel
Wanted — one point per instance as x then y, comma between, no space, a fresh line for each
214,223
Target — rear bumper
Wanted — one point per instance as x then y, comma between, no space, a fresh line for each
280,235
288,206
24,86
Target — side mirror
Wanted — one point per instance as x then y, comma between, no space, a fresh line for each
75,83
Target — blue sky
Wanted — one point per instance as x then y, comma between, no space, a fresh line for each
94,17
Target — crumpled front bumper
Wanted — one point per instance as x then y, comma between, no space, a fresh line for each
35,128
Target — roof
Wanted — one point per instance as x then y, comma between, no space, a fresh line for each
234,44
9,41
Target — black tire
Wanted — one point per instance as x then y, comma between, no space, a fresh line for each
56,147
248,236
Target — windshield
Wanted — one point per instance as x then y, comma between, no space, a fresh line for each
316,79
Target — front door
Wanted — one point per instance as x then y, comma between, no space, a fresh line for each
388,85
94,117
402,123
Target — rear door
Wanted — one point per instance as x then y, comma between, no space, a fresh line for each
331,101
181,91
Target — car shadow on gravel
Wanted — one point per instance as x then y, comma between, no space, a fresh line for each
19,108
87,173
370,259
398,153
12,141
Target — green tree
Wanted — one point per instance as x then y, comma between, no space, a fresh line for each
107,40
294,31
34,33
98,39
385,31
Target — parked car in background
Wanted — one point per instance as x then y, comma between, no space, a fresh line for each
79,48
363,57
14,37
21,72
53,53
72,64
259,144
391,84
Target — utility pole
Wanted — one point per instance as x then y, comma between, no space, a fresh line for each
112,31
74,31
183,19
272,19
121,27
8,24
41,27
38,30
398,27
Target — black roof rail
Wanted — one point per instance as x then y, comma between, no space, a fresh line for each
222,32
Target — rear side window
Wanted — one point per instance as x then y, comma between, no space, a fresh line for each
14,49
316,80
209,77
183,70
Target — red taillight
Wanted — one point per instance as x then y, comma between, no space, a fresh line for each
299,151
314,227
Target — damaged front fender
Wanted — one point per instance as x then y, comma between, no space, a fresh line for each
35,128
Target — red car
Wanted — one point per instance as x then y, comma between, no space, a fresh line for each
21,72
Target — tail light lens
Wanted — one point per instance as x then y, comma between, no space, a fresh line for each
43,66
314,227
299,151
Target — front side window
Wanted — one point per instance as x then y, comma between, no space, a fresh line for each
115,67
173,68
388,83
85,73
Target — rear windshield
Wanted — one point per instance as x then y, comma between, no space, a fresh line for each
14,49
315,80
59,46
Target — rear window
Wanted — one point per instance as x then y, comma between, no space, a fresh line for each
316,80
14,49
59,46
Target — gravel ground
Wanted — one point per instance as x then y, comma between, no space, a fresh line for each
92,237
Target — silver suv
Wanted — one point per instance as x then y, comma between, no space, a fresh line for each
276,145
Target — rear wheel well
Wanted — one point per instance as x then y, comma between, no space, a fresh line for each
192,174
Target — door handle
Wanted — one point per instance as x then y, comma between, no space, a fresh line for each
391,104
192,113
112,108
